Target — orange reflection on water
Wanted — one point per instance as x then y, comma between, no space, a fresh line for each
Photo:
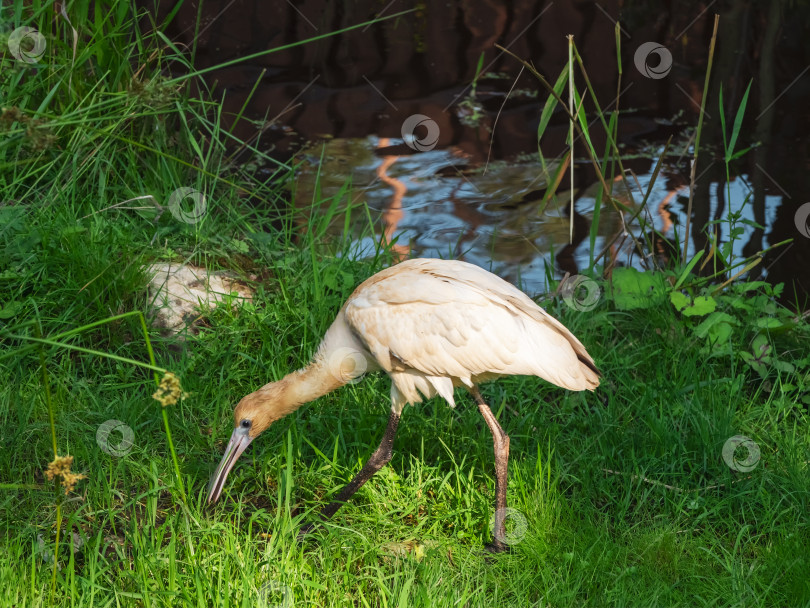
393,213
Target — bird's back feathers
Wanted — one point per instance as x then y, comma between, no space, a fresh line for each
435,324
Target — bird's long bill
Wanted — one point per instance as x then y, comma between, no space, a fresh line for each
240,440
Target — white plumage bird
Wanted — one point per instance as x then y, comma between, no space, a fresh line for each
431,325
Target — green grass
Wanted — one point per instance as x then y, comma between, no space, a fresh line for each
626,502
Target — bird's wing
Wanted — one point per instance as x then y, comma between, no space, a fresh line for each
476,277
442,319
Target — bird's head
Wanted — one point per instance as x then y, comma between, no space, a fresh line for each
273,401
253,414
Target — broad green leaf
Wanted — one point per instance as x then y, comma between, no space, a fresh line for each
717,327
10,309
751,285
783,366
633,289
702,305
768,323
719,333
760,346
239,245
755,363
679,300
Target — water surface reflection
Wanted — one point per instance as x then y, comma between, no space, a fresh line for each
359,87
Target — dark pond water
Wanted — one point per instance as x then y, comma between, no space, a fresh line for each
466,181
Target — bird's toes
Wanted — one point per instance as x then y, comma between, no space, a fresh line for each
306,529
497,546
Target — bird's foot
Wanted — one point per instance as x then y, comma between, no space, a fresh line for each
497,546
306,529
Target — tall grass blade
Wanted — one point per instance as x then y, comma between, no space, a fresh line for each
697,140
735,131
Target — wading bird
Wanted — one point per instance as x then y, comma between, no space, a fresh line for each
431,325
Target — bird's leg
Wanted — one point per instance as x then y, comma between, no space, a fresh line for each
500,442
378,460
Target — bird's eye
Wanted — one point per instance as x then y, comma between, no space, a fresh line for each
245,424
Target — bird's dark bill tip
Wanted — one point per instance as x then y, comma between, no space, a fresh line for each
240,440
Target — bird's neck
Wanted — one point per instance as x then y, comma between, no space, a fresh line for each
339,360
297,388
311,382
